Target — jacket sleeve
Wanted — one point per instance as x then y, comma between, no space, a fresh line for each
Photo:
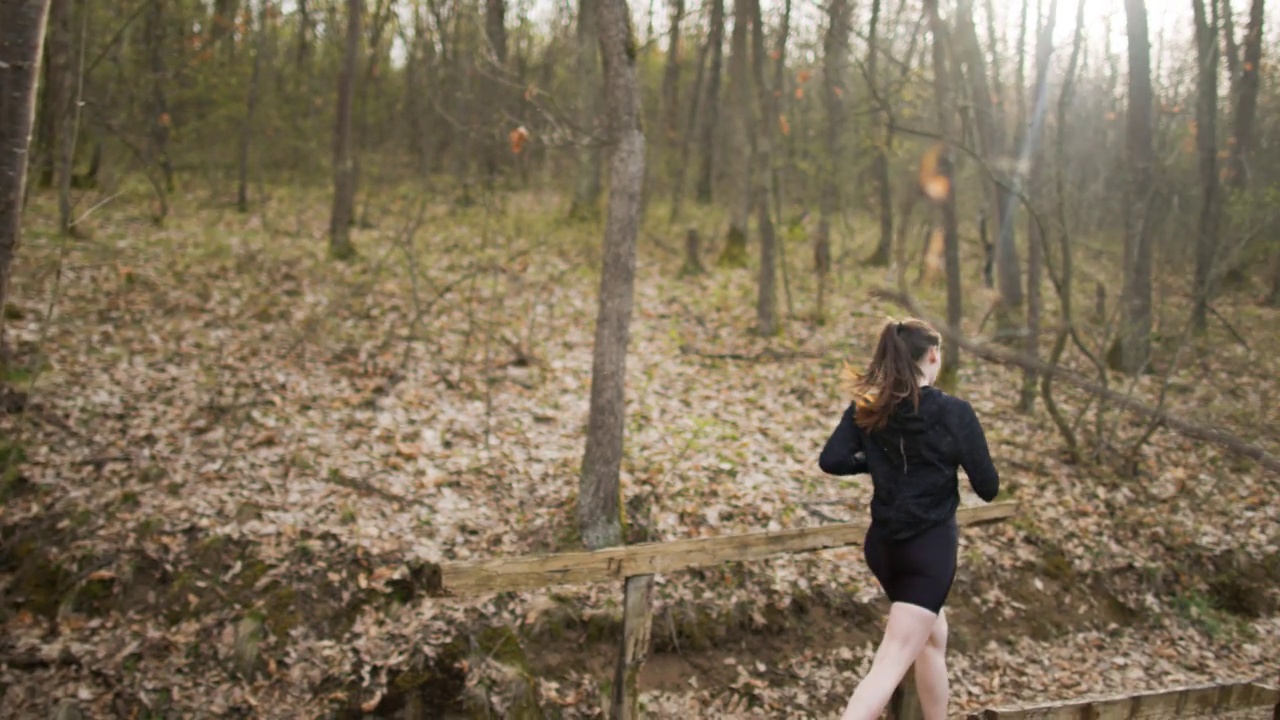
843,453
975,457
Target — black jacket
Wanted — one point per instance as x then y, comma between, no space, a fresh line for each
913,462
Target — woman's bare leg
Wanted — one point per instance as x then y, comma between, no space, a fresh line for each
906,635
931,672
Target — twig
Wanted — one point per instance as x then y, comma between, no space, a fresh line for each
1230,328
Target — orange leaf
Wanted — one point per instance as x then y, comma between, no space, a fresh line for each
1248,67
784,126
799,93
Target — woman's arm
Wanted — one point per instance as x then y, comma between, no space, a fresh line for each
975,458
843,453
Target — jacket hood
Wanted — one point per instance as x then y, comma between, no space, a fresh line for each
901,436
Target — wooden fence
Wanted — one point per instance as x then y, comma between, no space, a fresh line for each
635,566
1193,702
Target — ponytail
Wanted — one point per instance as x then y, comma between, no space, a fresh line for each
893,375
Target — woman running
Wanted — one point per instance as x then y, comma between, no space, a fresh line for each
911,437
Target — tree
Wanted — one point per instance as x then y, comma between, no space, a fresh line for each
767,296
1207,149
1246,97
1035,250
586,193
1132,347
344,164
22,26
835,53
741,152
947,203
990,132
711,118
598,492
251,108
880,163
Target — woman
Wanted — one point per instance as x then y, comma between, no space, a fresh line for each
911,437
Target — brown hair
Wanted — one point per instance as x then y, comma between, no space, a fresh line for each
893,374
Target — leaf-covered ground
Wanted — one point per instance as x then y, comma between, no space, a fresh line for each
229,454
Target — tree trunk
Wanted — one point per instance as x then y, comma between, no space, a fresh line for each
66,107
991,143
251,108
344,166
1133,344
302,53
54,91
1207,147
586,193
951,235
767,297
741,126
711,116
1065,428
682,158
1035,240
159,101
835,49
599,504
671,78
22,30
495,29
1241,143
880,163
671,96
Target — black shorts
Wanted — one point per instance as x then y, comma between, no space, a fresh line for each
918,570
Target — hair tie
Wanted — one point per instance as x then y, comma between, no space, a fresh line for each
898,329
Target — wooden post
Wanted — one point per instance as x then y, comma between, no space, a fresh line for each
637,620
905,703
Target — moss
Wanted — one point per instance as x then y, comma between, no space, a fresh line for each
129,499
39,582
734,254
152,473
12,456
1056,565
281,613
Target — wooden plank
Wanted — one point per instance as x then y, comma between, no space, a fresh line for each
905,703
539,571
637,621
1184,702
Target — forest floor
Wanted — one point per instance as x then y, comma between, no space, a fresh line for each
225,452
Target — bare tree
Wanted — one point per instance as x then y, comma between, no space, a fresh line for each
947,203
161,121
251,108
880,163
835,49
1207,149
1031,154
711,118
1248,79
741,139
586,192
598,493
22,26
1132,348
767,296
344,165
990,132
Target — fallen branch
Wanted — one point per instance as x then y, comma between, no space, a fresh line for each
768,354
1186,428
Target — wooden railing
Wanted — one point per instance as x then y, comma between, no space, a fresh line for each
635,566
1203,701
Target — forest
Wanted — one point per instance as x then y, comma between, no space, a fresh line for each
304,300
